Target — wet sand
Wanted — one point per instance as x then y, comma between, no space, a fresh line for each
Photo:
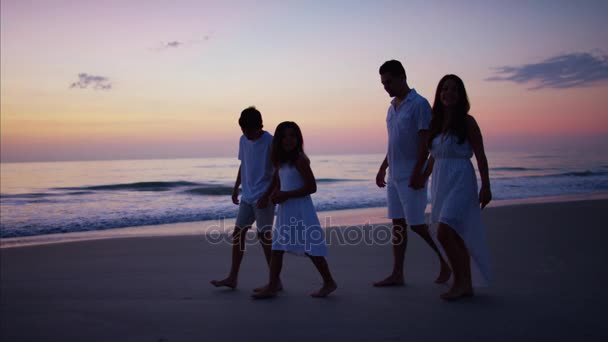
549,285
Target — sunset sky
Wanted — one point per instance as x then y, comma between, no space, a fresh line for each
84,80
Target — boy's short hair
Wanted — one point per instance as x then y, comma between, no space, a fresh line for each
393,67
251,118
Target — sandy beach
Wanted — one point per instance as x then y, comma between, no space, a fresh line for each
548,286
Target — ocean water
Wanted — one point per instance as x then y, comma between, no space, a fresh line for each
45,198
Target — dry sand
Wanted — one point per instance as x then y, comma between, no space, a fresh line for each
549,263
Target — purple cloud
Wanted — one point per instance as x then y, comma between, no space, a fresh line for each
173,44
181,44
559,72
96,82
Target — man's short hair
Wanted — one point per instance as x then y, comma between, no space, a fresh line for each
251,118
393,67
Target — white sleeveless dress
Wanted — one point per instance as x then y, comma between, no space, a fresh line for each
455,201
297,228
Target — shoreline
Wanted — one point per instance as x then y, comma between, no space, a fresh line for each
334,218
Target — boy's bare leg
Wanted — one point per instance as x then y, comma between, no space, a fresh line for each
445,272
276,264
239,237
399,247
266,241
329,284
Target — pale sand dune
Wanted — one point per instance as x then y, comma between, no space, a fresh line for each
549,264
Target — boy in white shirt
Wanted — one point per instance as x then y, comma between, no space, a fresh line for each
256,176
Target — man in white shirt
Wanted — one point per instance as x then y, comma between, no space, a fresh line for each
256,176
407,121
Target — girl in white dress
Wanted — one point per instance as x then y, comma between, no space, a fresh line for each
456,204
297,228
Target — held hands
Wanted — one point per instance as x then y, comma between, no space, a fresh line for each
380,182
485,196
235,196
417,181
263,202
279,197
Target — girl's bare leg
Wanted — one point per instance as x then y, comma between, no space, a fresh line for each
329,284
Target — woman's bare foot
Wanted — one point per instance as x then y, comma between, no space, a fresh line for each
457,293
266,293
325,290
265,287
228,282
392,280
444,274
260,289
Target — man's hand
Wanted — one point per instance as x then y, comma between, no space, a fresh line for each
380,178
235,196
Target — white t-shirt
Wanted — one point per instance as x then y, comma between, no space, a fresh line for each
256,167
403,124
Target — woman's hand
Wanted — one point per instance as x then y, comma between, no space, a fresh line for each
485,196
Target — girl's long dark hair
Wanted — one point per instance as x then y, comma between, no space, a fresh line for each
278,155
457,121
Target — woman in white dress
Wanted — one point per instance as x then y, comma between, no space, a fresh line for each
297,228
456,204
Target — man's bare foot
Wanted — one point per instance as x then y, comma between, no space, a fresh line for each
444,274
392,280
454,294
325,290
265,294
263,288
228,282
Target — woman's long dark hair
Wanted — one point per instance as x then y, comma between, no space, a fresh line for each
278,155
457,121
